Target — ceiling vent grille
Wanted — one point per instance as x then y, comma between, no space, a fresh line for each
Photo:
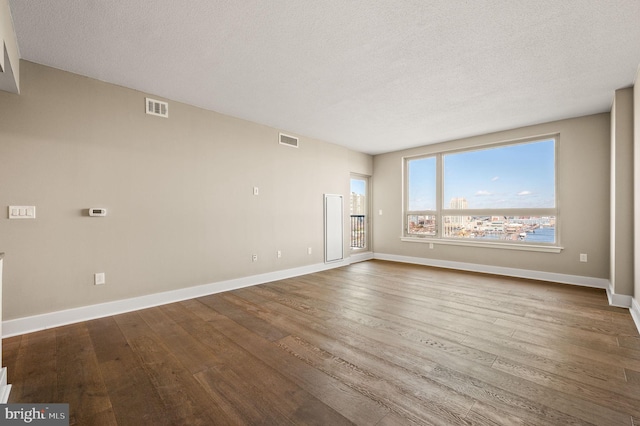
161,109
288,140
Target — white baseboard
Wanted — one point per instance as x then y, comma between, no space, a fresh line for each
635,312
499,270
618,300
361,257
55,319
5,389
69,316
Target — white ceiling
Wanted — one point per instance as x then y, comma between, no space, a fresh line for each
374,76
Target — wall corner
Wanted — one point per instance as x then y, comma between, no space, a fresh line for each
9,53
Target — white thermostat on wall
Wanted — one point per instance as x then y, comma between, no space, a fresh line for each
94,211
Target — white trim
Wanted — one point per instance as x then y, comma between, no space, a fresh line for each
635,312
55,319
618,300
499,270
360,257
5,389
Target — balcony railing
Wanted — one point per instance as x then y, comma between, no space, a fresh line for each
358,231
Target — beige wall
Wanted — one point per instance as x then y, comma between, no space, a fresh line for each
583,188
621,205
360,163
181,210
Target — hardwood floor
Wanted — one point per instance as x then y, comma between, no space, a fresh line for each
374,343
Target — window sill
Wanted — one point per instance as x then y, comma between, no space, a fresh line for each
485,244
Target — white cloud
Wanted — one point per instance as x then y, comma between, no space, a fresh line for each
481,192
495,178
524,193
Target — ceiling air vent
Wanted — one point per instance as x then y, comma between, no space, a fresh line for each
158,108
288,140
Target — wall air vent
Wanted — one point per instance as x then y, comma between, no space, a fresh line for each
288,140
158,108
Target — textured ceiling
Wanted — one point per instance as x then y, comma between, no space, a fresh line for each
375,76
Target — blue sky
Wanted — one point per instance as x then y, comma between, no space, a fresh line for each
422,184
358,186
513,176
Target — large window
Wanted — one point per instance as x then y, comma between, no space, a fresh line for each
498,195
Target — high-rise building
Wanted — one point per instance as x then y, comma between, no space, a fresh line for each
458,203
358,204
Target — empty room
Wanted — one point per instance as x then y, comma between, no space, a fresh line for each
334,212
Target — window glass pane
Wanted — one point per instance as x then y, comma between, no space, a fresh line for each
422,184
358,202
421,224
513,176
529,229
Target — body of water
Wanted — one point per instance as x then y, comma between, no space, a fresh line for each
541,235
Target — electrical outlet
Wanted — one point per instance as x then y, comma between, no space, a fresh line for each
583,257
99,278
279,254
309,250
254,257
256,190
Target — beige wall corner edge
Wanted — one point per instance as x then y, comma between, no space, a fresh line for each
9,53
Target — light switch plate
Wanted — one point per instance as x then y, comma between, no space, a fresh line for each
99,278
22,212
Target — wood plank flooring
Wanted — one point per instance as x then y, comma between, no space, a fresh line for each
374,343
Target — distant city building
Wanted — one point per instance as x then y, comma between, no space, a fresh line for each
358,204
458,203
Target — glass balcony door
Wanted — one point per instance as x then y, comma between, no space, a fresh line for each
359,211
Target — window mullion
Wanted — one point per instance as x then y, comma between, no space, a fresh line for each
439,195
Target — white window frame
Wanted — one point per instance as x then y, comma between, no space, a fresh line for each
440,212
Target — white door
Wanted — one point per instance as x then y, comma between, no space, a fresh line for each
333,228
